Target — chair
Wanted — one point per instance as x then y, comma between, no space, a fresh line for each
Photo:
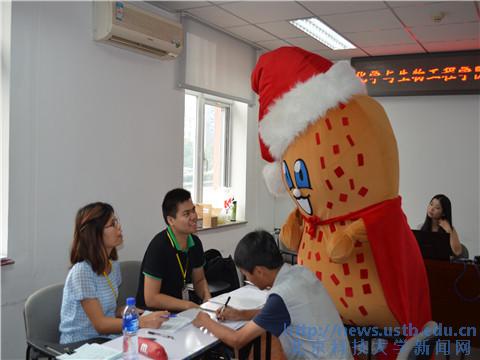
41,315
130,271
464,254
427,336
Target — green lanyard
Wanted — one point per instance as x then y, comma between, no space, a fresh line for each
171,236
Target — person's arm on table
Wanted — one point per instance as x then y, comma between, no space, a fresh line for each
200,284
154,299
236,339
110,325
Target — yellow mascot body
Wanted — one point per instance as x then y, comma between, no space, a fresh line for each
331,147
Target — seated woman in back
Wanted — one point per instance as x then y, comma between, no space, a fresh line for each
89,304
439,219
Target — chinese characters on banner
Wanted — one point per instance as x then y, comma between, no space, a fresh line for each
420,74
449,73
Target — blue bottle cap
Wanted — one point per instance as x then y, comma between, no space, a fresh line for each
131,301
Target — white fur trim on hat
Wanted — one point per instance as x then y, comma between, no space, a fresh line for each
291,114
272,173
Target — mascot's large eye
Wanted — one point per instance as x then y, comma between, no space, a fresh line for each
301,175
286,173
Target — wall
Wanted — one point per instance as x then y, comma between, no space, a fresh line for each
438,143
91,122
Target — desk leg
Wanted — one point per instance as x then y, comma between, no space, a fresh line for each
268,346
369,348
257,348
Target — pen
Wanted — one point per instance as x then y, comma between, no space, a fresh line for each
224,306
162,335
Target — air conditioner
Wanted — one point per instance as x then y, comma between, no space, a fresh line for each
125,25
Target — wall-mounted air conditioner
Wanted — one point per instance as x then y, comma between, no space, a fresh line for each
122,24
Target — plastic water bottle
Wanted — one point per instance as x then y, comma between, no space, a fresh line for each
130,330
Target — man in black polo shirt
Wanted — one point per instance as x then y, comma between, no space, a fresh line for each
173,259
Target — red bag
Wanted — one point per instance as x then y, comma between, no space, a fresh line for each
151,349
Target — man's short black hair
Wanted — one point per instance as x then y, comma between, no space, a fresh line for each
171,201
258,248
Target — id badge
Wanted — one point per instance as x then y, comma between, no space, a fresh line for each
185,295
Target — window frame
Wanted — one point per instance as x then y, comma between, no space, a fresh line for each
199,148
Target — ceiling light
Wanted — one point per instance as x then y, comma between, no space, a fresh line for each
321,32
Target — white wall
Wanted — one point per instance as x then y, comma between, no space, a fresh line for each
91,122
438,143
439,153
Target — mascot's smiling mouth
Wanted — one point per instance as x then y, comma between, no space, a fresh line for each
304,203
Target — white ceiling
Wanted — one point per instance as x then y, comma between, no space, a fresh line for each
375,27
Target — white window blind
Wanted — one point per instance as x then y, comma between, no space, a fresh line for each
216,63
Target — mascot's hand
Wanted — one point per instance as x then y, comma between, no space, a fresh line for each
340,246
291,234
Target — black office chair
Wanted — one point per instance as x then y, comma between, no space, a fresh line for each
130,271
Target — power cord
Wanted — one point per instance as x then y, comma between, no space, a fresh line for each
466,262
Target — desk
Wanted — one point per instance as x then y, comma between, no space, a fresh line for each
190,341
447,307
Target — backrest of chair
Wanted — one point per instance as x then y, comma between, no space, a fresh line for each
427,336
130,274
42,313
222,269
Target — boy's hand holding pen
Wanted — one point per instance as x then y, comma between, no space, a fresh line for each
227,312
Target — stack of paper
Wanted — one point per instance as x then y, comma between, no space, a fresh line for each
245,298
93,352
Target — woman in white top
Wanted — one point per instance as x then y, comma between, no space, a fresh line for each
89,303
439,219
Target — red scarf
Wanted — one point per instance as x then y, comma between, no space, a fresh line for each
397,258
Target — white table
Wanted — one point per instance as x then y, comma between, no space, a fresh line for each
190,341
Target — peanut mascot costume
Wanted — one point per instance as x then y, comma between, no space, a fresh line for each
332,149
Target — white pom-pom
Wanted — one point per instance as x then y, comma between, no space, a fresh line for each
272,173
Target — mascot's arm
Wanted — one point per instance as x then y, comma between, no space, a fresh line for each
340,245
292,230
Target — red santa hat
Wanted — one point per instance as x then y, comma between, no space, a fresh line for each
295,88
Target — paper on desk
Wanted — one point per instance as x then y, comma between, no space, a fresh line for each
92,352
247,298
176,323
210,306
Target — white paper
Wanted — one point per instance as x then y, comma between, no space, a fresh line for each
93,352
244,298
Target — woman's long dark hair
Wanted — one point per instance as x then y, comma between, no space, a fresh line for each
447,213
88,236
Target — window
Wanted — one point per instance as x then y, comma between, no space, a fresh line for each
207,148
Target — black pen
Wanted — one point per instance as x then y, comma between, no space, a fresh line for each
224,306
162,335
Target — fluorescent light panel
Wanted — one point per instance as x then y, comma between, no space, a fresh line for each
321,32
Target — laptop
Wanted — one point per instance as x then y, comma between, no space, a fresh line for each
433,245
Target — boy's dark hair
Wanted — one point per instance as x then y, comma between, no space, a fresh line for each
171,201
258,248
